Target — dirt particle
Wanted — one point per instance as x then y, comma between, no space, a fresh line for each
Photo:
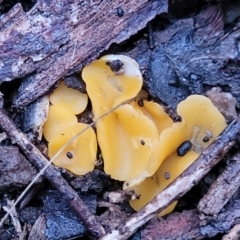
184,148
140,103
116,66
69,155
119,12
167,175
206,139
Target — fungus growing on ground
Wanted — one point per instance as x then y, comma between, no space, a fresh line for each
69,98
58,119
199,118
79,156
121,133
62,125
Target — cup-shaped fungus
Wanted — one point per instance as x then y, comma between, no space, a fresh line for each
62,125
58,119
126,136
182,143
79,156
66,103
69,98
160,118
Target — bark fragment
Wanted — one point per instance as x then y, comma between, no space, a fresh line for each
222,189
15,170
58,37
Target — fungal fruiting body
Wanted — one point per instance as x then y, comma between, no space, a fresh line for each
80,155
62,125
199,118
121,133
139,142
68,98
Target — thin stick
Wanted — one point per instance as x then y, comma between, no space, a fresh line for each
190,177
51,173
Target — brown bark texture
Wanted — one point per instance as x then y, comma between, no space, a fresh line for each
56,38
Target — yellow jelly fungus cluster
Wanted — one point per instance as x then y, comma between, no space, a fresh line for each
140,143
62,125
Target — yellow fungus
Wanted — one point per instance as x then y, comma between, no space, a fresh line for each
161,120
126,136
199,118
79,156
58,119
69,98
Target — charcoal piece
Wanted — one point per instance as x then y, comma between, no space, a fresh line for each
30,214
15,170
93,181
75,81
164,82
186,64
61,221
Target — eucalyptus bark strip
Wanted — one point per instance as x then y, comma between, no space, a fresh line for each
52,174
189,178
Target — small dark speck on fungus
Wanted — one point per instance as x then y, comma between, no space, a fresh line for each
140,103
167,175
69,155
116,66
184,148
205,139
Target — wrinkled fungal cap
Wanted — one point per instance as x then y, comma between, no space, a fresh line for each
199,118
79,156
160,118
126,136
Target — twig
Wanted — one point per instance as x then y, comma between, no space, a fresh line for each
52,174
222,189
14,217
190,177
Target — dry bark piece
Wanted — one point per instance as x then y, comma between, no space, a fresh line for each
210,226
34,116
52,174
224,101
113,216
38,229
190,177
183,225
55,38
15,173
222,189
